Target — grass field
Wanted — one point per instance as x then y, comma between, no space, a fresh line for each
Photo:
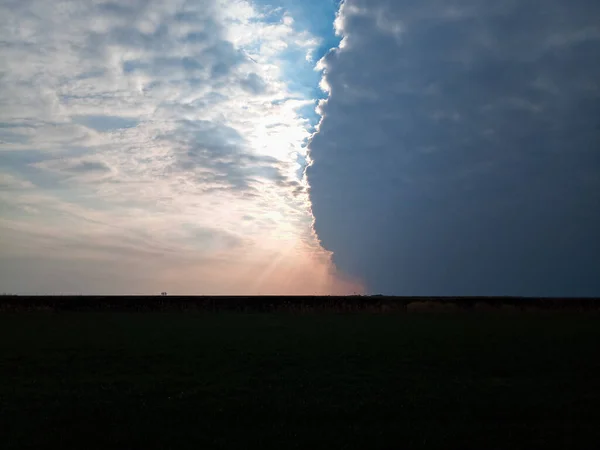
281,380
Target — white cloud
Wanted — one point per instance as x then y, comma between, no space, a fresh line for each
151,131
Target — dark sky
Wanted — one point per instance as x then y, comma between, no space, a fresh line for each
459,153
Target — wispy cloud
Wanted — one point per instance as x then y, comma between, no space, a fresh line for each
154,141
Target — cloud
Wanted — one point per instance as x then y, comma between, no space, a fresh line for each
105,123
10,182
458,149
144,130
253,84
76,171
88,166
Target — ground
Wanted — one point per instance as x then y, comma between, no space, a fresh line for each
98,380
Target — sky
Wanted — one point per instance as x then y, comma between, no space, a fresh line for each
439,147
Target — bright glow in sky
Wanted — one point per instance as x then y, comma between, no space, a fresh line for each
156,145
161,145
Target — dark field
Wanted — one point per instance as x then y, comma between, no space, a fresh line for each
108,380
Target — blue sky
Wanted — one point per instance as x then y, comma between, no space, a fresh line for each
316,17
153,146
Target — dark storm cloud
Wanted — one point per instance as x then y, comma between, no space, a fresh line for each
459,152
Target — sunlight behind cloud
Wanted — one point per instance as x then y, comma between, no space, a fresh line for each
155,145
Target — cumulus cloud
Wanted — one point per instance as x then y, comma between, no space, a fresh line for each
458,149
138,136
